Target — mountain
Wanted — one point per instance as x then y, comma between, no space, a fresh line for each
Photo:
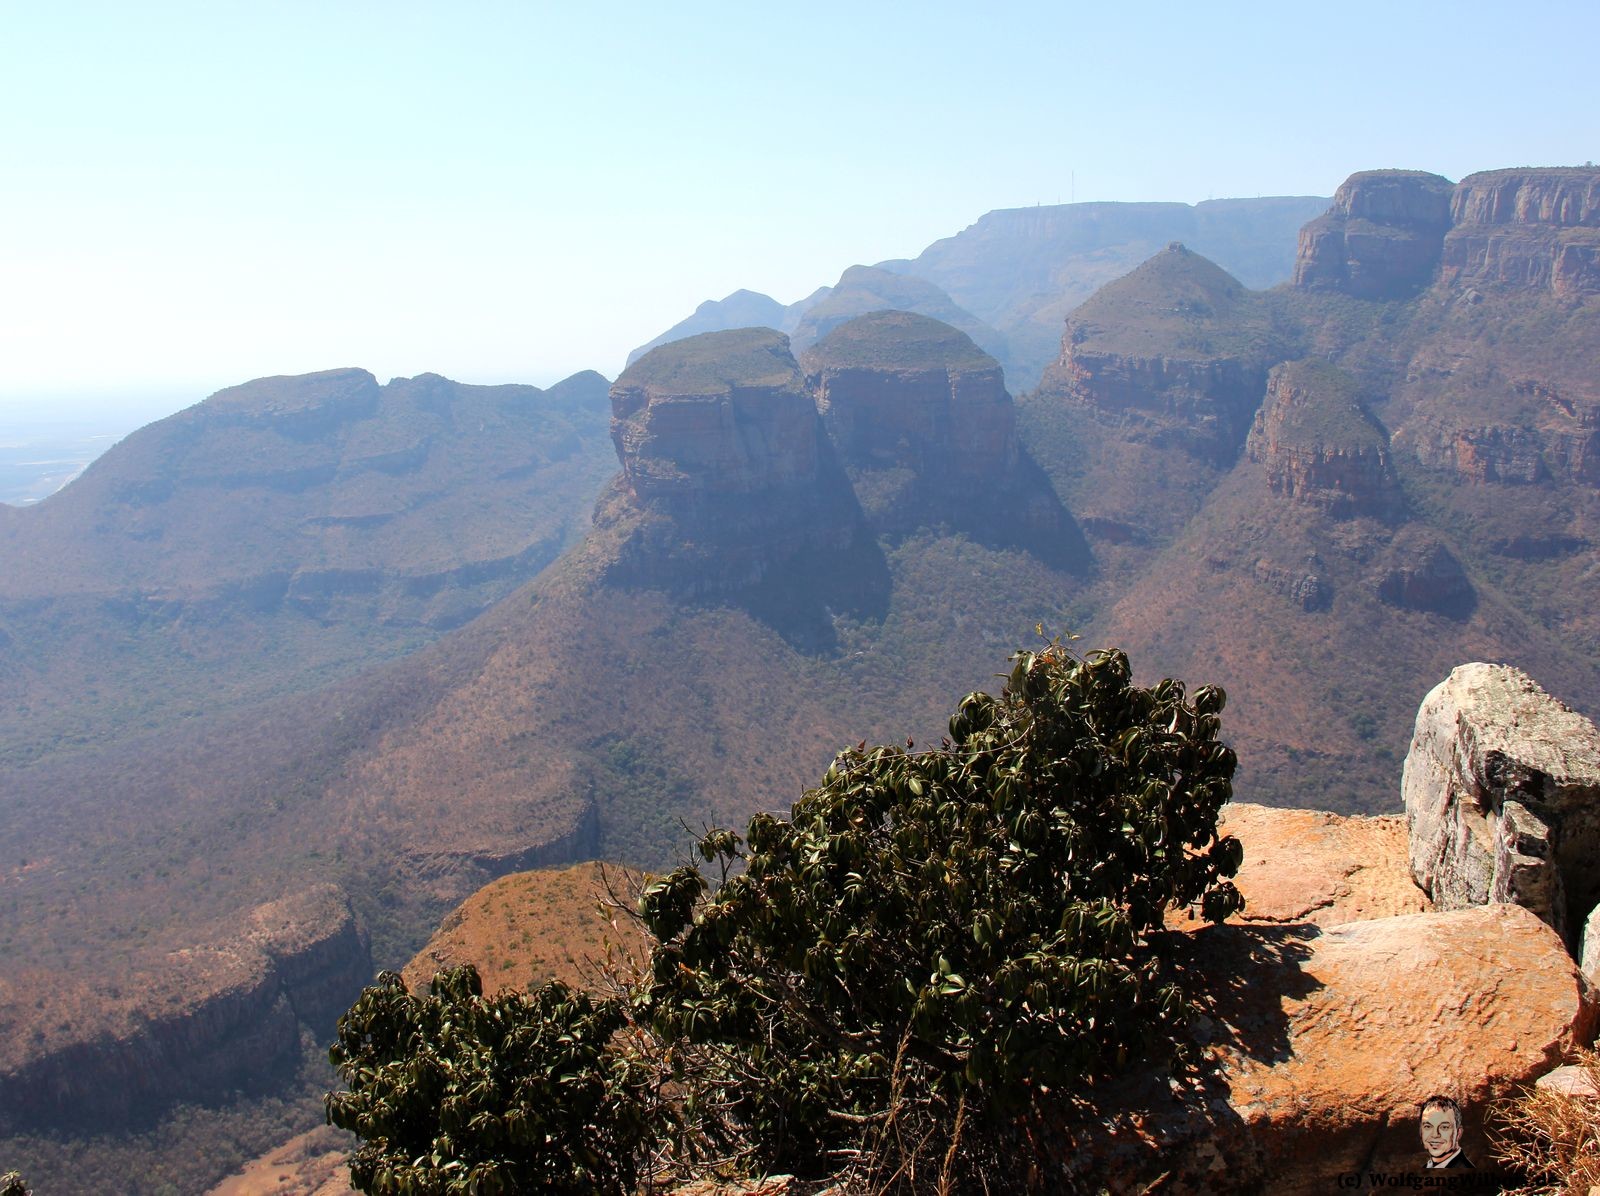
728,623
864,289
742,309
307,526
1017,272
1323,495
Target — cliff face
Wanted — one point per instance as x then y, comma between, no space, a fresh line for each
198,1021
1537,229
724,456
1319,444
1382,237
902,390
927,432
1174,353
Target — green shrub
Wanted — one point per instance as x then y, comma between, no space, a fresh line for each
959,926
457,1093
932,940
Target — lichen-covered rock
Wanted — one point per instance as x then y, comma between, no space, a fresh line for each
1502,793
1382,237
1324,1044
1589,948
1319,444
1531,229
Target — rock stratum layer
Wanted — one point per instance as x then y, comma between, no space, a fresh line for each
1529,229
1382,237
194,1022
720,441
900,390
1319,443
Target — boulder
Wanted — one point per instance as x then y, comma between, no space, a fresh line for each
1323,1045
1502,794
1571,1079
1382,237
1313,867
1589,948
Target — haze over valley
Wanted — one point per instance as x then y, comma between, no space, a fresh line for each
321,669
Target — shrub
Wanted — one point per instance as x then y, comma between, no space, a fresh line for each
458,1093
11,1184
956,927
930,942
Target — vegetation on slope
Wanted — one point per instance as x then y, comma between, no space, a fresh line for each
714,363
897,340
927,945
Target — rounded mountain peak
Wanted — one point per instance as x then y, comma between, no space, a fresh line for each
715,363
1176,304
897,340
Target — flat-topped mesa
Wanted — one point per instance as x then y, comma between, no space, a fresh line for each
1528,228
900,390
1382,237
1319,444
1174,352
722,414
718,435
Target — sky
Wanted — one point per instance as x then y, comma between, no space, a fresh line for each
195,194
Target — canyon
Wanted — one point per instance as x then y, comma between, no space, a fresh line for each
1323,496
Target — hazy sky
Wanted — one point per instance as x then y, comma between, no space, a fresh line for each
194,194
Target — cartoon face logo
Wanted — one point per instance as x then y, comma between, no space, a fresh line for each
1441,1133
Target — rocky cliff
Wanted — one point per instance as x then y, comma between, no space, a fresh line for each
926,430
1382,237
195,1021
1320,444
1502,792
1536,229
1175,353
899,390
726,470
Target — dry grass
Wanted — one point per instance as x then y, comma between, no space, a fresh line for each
1552,1140
530,927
